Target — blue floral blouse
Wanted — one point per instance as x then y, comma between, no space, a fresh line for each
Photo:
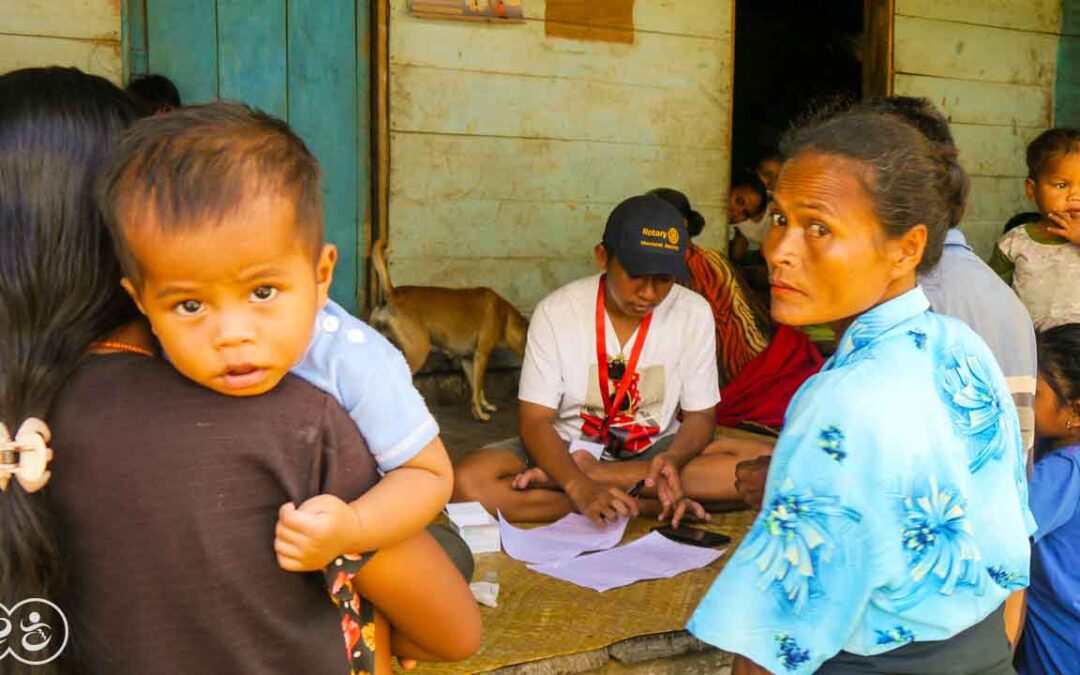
896,504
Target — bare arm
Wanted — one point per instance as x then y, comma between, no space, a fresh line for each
545,446
1015,613
695,432
592,499
308,537
425,598
405,501
693,435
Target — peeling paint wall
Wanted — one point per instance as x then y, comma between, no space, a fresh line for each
81,33
990,64
509,148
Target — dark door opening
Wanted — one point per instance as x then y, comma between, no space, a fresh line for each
791,55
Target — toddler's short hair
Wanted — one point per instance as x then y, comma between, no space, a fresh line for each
192,167
1050,145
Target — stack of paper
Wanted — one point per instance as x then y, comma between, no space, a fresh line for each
475,525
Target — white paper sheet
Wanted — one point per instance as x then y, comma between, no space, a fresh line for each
651,557
562,540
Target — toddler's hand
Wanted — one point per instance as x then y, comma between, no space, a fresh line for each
307,538
1065,225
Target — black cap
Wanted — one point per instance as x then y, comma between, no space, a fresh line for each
648,236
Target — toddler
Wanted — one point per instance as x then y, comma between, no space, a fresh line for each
1041,259
217,218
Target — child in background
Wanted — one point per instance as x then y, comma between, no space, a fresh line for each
1041,260
1051,640
746,201
217,218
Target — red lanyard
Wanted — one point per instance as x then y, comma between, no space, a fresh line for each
611,406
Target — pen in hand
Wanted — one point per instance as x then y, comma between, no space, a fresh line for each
636,490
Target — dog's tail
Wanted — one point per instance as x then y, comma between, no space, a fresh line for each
385,287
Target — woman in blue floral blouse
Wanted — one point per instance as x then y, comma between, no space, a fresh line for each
895,519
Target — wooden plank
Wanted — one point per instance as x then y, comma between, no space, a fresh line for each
702,18
434,100
323,109
993,150
436,168
946,49
599,20
1031,15
182,38
996,198
967,101
982,235
94,57
522,49
512,229
252,54
877,75
368,65
522,281
80,19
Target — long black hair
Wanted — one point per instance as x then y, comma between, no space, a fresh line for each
59,277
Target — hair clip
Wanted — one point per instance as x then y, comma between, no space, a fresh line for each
26,456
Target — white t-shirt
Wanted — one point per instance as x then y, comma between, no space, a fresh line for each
676,369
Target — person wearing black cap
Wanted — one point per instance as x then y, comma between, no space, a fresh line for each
611,360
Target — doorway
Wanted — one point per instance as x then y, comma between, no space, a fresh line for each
794,55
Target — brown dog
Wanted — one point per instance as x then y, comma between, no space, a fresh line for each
464,322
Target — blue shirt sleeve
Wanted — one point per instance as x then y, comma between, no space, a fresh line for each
369,377
1054,491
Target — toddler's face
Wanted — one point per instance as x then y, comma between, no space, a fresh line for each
1057,189
233,303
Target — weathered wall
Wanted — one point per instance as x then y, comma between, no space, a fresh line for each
990,64
508,148
81,33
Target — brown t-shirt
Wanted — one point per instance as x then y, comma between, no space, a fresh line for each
166,495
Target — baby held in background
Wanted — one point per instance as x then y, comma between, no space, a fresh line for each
217,218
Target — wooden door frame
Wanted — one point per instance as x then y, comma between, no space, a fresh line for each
879,19
380,129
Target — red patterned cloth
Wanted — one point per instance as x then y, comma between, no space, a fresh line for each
760,393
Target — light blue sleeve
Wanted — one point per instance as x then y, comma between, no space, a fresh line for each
369,377
799,584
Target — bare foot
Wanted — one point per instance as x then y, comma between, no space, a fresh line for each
533,478
538,478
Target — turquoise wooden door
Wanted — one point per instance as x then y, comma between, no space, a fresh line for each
305,61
